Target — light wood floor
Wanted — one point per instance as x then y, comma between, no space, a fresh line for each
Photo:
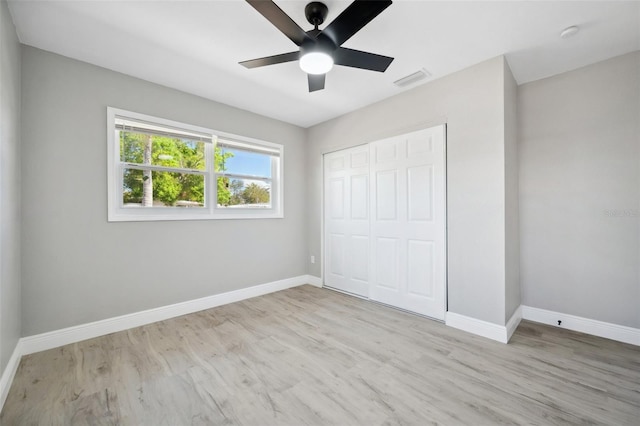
313,356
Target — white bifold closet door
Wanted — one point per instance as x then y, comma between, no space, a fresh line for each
346,220
408,224
385,223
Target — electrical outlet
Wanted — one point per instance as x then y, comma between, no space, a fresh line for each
313,259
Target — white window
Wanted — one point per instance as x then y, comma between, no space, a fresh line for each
164,170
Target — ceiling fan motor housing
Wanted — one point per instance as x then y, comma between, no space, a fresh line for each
319,44
316,12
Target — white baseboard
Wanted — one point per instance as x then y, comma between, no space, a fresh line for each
314,281
56,338
475,326
513,322
501,333
607,330
9,373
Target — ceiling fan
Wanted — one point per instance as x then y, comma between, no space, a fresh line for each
321,49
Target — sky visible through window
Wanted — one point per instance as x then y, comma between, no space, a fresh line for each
248,163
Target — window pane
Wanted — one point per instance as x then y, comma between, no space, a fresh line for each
143,188
240,162
233,192
163,151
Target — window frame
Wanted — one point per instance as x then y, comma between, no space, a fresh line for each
116,212
264,149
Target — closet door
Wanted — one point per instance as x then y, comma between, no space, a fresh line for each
408,225
346,220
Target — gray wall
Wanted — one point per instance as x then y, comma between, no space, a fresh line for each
576,137
77,267
580,159
471,102
512,214
9,187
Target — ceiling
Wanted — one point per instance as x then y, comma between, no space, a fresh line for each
195,46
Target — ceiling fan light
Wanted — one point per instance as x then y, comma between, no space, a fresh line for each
316,63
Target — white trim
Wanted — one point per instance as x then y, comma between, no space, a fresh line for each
481,328
446,221
53,339
9,373
513,322
607,330
322,222
314,281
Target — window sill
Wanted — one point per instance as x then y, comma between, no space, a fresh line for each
114,217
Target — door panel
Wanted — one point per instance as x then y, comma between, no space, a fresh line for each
420,193
387,263
409,195
347,261
360,197
359,251
385,153
386,187
336,245
359,159
420,268
337,198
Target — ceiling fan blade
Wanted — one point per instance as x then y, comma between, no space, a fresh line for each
316,82
281,20
271,60
353,18
359,59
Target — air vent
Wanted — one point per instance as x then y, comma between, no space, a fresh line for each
412,78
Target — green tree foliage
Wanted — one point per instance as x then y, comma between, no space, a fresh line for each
224,194
251,194
236,187
255,194
169,187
